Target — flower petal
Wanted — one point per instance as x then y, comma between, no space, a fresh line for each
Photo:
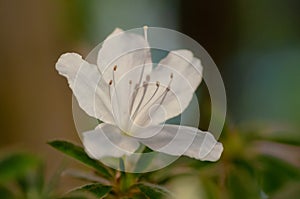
184,62
108,141
125,50
86,83
181,73
181,140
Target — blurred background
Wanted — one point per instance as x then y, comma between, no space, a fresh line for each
255,44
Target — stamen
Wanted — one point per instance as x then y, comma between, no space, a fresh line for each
109,92
145,86
134,94
130,89
113,75
171,79
129,103
116,93
167,89
139,84
157,83
149,100
162,96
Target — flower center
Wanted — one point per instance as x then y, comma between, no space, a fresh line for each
155,97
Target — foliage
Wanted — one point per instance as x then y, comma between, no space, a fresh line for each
254,164
22,177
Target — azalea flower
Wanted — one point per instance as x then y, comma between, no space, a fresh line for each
133,98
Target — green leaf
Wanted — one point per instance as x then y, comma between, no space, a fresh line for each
17,165
290,190
96,189
32,183
6,193
78,196
154,191
139,196
276,173
86,176
79,154
242,183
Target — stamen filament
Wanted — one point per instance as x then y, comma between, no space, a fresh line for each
149,100
145,86
162,95
116,93
109,92
134,94
113,74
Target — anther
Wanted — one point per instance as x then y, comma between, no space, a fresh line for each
168,89
110,82
130,82
115,67
157,83
171,76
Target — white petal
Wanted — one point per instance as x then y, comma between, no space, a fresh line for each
182,73
181,140
184,62
215,153
108,141
127,51
85,81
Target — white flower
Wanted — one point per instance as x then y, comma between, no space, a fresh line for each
133,99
